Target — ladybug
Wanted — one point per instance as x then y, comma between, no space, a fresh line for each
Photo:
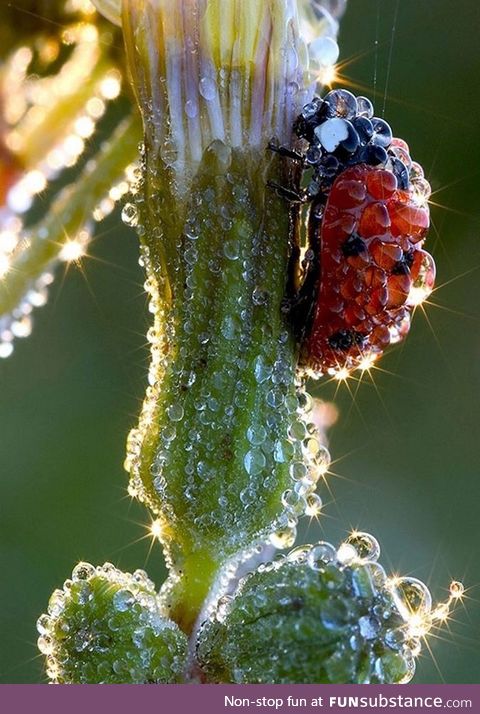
366,220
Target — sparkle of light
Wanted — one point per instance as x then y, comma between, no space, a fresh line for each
4,265
456,590
327,75
95,107
417,296
71,251
367,363
111,85
346,554
156,529
35,181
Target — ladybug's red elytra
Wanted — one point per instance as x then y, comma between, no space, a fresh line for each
367,220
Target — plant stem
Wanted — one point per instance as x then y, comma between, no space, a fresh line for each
41,137
69,213
212,451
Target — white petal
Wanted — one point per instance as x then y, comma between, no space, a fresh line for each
111,9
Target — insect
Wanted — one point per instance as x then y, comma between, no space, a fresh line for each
366,220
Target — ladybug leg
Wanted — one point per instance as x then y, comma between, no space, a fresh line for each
302,302
289,194
285,152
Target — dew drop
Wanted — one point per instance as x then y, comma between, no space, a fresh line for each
130,214
123,600
175,412
56,603
82,571
331,133
282,451
298,470
365,107
293,501
369,627
229,327
82,593
303,488
322,460
283,538
456,589
395,667
275,398
256,435
207,88
254,462
412,597
421,191
324,51
191,109
395,638
367,546
321,554
263,371
314,505
260,296
192,233
45,645
297,430
231,249
378,575
346,554
169,433
299,554
169,153
44,624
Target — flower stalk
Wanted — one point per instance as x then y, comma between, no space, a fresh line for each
213,432
53,91
213,450
42,245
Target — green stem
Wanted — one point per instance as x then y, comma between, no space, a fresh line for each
212,452
39,139
69,212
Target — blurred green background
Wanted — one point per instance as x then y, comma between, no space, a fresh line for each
406,449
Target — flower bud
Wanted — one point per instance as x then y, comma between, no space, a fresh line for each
106,627
231,71
318,615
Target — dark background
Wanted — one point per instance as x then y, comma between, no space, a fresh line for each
406,450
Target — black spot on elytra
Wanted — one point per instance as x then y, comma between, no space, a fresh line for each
343,340
402,267
353,246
